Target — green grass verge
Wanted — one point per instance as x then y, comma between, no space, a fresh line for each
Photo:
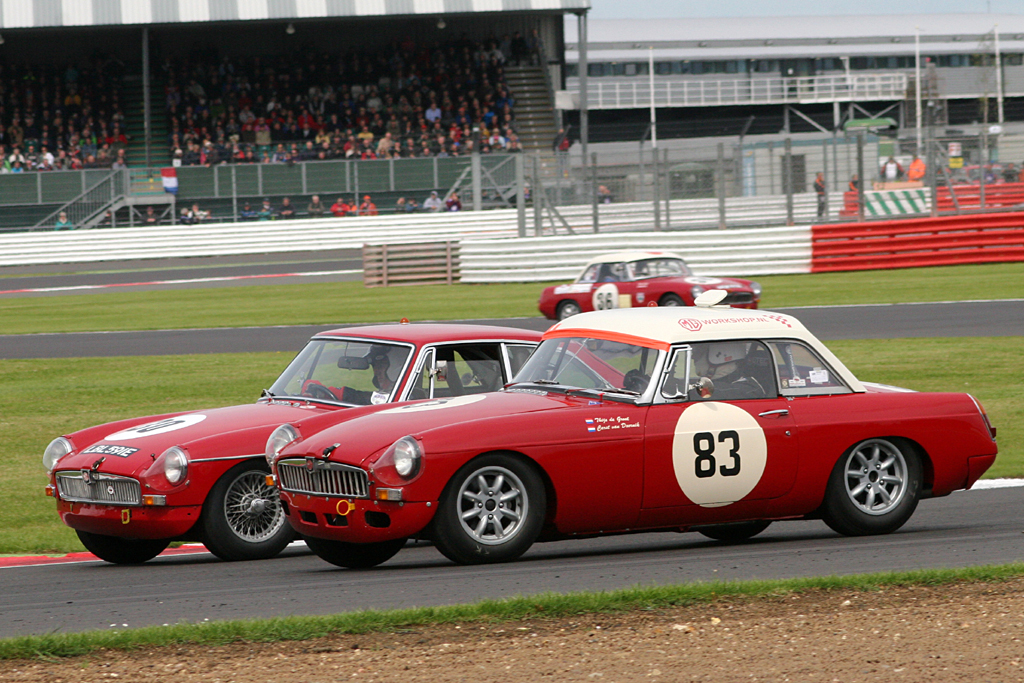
544,606
350,302
44,398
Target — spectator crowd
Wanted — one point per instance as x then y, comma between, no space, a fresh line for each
61,118
408,100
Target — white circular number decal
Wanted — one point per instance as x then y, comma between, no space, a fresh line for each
719,453
695,280
170,424
606,296
436,404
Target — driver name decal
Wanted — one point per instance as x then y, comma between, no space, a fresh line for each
111,449
719,453
605,424
171,424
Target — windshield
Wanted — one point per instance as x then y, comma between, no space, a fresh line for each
355,372
657,267
586,363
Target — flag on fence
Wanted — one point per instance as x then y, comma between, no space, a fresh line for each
170,178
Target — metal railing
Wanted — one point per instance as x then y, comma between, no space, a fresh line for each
746,91
87,209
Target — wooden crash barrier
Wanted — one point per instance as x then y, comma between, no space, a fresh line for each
948,240
423,263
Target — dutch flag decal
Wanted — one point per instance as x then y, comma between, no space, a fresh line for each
590,426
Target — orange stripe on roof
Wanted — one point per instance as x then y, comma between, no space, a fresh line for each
620,337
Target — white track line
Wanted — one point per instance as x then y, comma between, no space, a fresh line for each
179,282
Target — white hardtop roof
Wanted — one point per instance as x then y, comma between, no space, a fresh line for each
631,255
661,327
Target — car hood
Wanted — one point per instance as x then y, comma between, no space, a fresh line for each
372,430
130,444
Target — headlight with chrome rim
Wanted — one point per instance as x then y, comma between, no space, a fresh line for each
756,287
279,438
175,465
401,463
57,449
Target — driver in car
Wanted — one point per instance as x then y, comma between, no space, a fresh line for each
380,362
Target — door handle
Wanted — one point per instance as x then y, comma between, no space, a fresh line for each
782,412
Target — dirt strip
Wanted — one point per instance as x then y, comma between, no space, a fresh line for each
968,632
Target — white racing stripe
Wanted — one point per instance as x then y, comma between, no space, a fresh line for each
180,282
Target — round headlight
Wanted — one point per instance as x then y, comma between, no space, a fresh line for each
696,291
756,286
279,438
57,449
175,465
407,455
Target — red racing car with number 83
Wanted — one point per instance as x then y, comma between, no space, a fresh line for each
709,419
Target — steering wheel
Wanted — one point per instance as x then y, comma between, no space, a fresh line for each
635,380
315,389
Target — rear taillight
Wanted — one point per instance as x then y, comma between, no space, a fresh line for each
984,416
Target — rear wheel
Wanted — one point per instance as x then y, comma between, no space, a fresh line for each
491,511
122,550
739,531
243,518
670,300
873,489
567,309
354,555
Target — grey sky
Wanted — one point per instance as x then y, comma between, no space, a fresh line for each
659,9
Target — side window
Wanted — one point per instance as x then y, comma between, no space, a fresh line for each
517,355
802,373
731,370
468,369
590,274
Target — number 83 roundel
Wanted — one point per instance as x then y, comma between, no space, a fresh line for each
719,453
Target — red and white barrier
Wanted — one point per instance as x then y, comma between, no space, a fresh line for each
943,241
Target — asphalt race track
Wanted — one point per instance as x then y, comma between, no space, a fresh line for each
949,319
964,529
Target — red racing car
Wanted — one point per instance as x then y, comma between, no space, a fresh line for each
709,419
627,279
129,488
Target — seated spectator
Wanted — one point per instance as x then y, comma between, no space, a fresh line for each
151,218
367,208
340,208
247,213
266,212
433,203
287,211
412,206
453,203
62,222
400,205
315,209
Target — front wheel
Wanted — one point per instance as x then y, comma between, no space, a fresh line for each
737,531
122,550
670,300
491,511
243,518
354,555
567,309
873,489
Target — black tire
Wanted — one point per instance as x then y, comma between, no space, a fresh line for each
671,300
354,555
873,488
467,540
567,309
243,518
738,531
118,550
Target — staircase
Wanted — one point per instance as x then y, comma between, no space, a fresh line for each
135,123
534,107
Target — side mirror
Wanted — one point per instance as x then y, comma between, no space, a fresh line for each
704,386
440,370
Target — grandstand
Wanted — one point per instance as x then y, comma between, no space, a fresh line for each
120,84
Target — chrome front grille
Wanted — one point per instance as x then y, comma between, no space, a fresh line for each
738,298
107,489
320,478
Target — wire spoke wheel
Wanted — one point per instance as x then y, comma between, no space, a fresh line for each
252,509
876,477
492,505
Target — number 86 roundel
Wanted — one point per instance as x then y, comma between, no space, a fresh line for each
719,453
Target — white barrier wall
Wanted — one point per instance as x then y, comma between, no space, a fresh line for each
761,251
